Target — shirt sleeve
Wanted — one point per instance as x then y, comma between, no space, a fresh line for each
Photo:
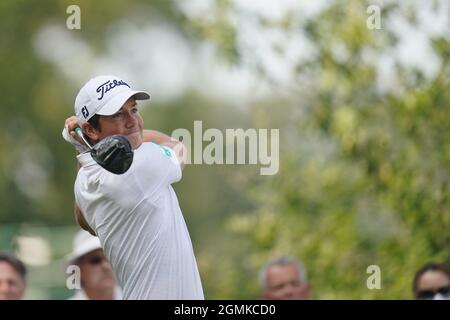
158,164
174,173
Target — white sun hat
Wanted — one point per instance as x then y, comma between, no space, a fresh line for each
83,243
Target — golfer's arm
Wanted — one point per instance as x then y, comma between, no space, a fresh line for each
157,137
79,218
167,141
82,222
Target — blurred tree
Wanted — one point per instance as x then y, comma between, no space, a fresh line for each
364,176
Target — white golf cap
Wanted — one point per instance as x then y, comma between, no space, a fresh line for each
83,243
104,95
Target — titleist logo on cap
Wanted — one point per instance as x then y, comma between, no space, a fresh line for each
108,85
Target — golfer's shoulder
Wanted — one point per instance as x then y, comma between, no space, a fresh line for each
153,162
153,151
148,147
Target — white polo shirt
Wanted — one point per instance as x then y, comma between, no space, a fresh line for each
138,220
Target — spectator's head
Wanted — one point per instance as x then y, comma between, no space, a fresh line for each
96,273
12,277
432,281
284,278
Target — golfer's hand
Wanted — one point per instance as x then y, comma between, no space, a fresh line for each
70,136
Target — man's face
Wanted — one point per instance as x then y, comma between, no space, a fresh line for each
430,283
12,286
283,283
96,271
127,122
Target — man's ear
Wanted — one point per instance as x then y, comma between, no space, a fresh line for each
90,131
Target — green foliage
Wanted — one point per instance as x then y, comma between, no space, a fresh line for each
364,178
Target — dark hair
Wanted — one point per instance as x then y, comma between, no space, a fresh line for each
18,265
94,121
430,267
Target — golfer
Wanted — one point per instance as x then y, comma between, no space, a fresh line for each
136,215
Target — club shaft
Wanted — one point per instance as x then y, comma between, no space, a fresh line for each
80,134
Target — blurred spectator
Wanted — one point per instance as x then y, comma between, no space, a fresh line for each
284,278
97,277
432,281
12,277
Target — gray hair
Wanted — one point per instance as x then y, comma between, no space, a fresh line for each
282,261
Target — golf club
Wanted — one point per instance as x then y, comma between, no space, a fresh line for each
113,153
